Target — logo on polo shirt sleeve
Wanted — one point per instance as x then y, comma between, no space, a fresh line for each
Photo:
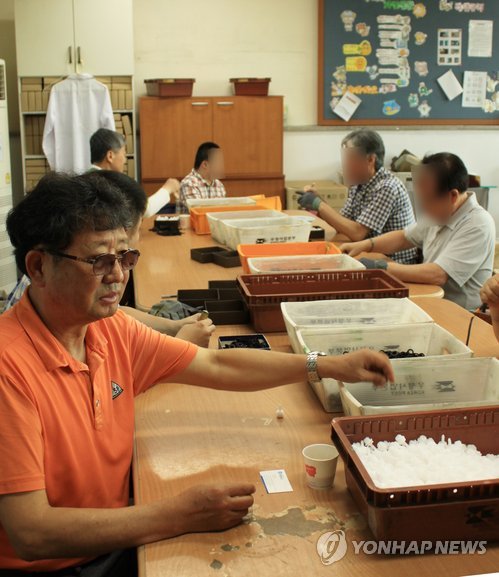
117,390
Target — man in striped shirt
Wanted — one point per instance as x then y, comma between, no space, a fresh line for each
203,180
377,200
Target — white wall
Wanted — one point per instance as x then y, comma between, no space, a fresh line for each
216,40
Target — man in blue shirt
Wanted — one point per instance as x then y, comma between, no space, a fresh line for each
377,200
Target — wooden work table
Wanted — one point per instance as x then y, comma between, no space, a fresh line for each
189,435
165,266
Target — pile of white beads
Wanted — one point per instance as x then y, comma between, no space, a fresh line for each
393,464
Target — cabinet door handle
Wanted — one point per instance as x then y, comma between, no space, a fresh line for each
199,103
78,52
225,103
70,54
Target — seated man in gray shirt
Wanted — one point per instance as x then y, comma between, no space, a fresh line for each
456,236
377,200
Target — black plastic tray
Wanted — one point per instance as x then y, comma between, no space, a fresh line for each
206,254
256,341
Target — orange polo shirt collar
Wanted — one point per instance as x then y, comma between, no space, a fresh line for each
50,350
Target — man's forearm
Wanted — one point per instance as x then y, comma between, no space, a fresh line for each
54,532
391,242
252,370
160,324
353,230
427,273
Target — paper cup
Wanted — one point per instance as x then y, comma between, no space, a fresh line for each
320,465
185,221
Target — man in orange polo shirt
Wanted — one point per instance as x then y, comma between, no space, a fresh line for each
71,365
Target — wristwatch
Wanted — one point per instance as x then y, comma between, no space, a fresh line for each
312,373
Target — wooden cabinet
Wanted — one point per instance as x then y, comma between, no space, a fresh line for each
249,130
44,45
58,37
169,129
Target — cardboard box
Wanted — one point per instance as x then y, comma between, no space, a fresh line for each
129,99
38,101
104,80
36,162
45,99
131,167
333,193
129,144
127,124
121,99
31,83
24,101
31,101
114,99
121,79
121,85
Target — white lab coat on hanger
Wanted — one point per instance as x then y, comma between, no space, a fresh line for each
78,106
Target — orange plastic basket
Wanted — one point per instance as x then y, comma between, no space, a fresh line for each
247,251
199,222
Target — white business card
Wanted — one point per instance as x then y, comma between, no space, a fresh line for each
276,481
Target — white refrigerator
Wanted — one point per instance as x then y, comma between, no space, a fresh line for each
8,272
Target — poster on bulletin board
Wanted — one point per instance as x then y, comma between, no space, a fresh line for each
408,62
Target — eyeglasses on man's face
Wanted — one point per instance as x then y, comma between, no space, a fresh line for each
103,264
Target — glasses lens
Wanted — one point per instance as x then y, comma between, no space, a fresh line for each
104,264
129,259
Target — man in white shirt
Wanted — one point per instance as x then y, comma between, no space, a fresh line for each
108,152
457,235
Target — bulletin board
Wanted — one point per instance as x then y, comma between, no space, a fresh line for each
380,62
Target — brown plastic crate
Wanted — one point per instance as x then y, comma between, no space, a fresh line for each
428,512
170,87
264,293
251,86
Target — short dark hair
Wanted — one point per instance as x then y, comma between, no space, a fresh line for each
102,141
369,142
449,170
131,189
60,207
203,153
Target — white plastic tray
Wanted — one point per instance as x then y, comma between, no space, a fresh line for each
272,230
427,385
304,263
215,220
224,201
427,338
349,313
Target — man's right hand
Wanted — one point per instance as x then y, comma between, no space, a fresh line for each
196,331
355,248
214,508
309,200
